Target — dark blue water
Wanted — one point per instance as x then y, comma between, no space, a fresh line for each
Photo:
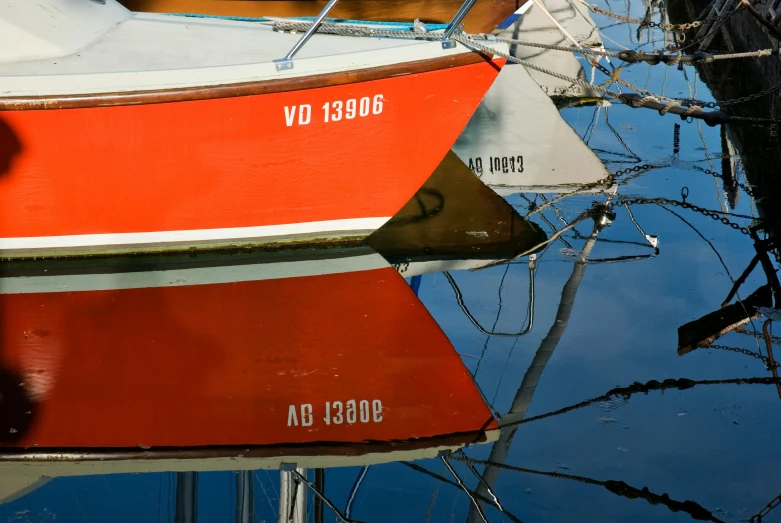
712,445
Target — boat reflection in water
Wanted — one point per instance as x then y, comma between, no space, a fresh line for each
453,222
295,359
239,362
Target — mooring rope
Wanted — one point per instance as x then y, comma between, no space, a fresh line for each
644,99
644,388
617,487
652,57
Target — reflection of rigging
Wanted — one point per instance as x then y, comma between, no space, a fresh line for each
186,497
483,496
517,413
617,487
764,511
702,332
476,323
523,397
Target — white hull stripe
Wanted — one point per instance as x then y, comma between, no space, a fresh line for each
188,277
193,236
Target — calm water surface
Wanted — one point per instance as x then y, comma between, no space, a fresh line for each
603,305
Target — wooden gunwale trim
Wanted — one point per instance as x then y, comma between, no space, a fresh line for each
187,94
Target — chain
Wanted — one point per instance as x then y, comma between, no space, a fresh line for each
743,186
750,98
582,49
470,41
635,169
602,182
764,511
733,101
685,205
654,57
715,23
776,339
645,23
608,180
747,352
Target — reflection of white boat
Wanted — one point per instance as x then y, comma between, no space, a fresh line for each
520,143
454,222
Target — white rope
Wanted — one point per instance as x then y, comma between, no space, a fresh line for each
471,42
545,11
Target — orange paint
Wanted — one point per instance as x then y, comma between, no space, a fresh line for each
231,162
221,364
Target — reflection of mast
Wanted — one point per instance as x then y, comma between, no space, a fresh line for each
320,487
292,497
530,380
728,171
186,497
245,497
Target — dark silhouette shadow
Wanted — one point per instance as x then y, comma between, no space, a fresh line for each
10,147
16,407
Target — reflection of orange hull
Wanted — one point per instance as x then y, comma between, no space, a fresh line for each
229,356
483,18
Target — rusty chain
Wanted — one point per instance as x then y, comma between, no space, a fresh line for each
635,169
727,103
612,178
743,186
685,205
645,23
470,41
746,352
750,97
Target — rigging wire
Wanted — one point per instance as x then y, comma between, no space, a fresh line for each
723,264
629,391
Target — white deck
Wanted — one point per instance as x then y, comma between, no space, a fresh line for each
109,49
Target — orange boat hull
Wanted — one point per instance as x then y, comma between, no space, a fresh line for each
231,170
